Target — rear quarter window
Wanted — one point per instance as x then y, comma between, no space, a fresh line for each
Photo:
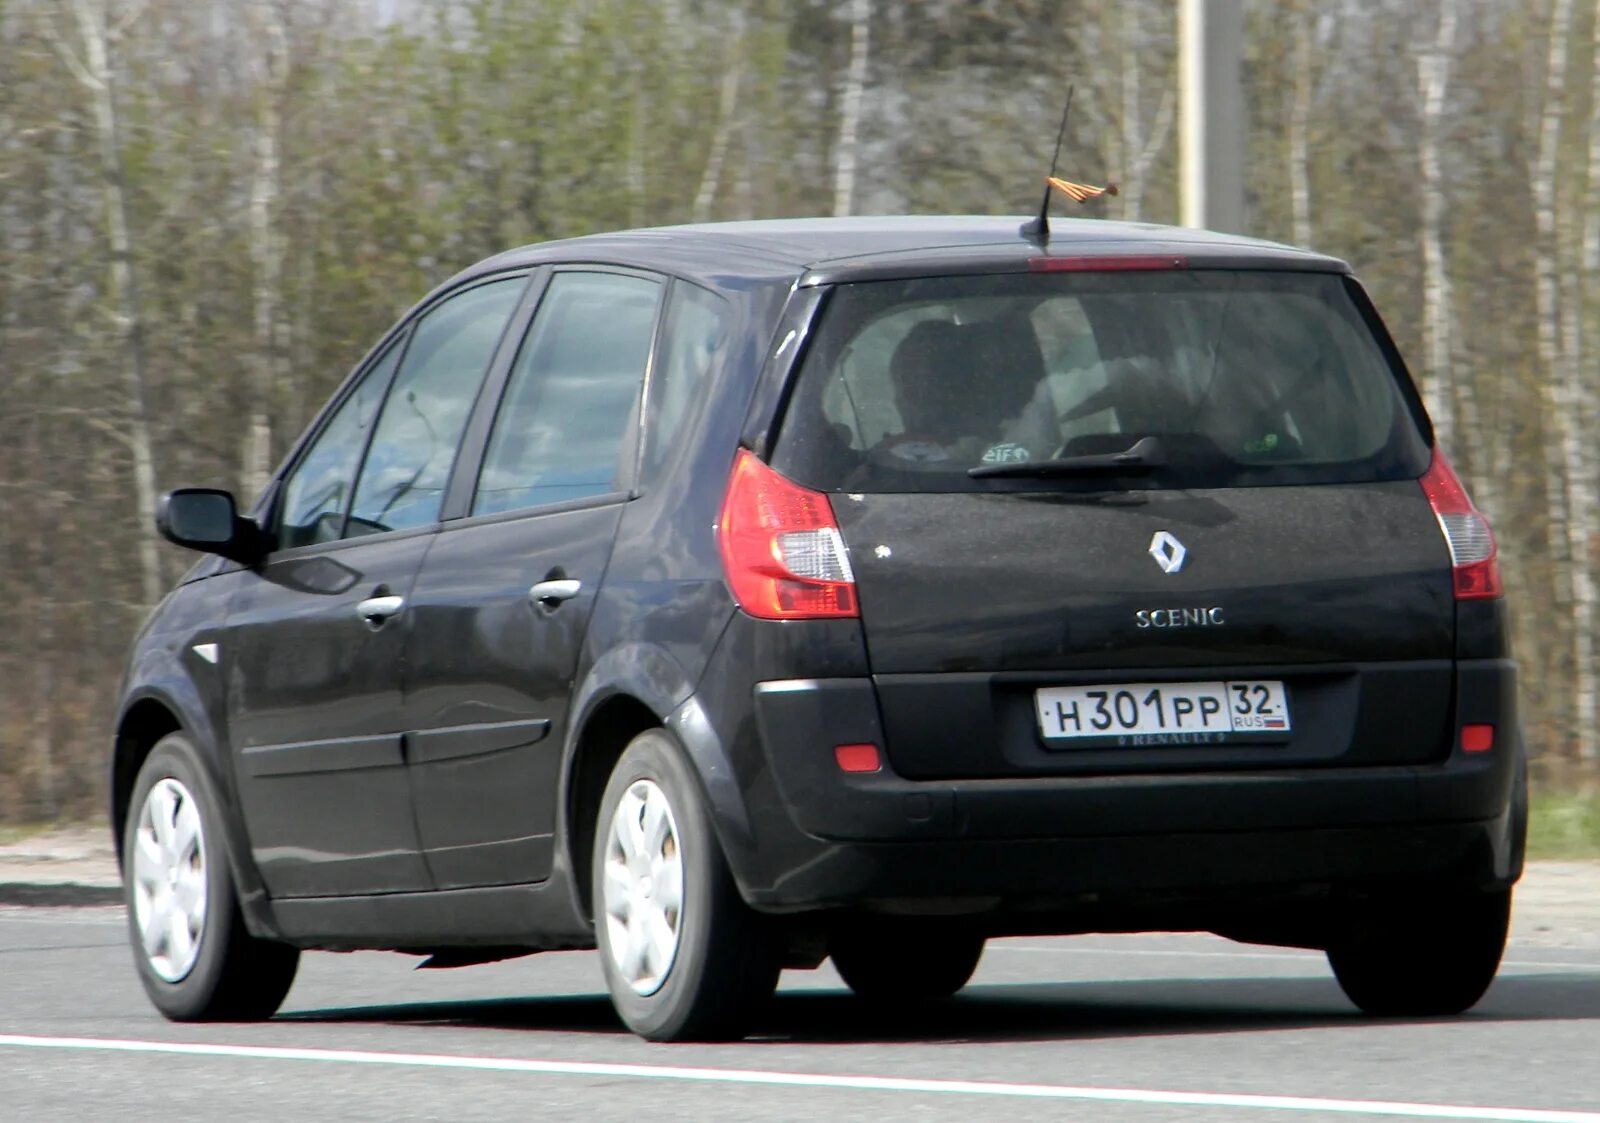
1246,379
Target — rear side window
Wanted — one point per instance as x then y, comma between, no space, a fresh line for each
572,394
696,325
1244,379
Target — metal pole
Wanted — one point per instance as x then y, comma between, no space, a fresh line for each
1211,114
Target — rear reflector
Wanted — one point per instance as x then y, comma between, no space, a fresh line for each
781,549
857,758
1477,738
1473,555
1106,263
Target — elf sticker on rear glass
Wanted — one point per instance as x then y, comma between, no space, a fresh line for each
1008,453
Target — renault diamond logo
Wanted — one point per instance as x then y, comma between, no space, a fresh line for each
1169,553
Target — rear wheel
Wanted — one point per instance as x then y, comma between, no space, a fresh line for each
195,958
1433,955
684,957
905,961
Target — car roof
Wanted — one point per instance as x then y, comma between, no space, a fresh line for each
823,250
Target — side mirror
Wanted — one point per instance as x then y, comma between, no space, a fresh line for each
204,518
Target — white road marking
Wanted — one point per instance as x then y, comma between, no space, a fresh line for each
809,1080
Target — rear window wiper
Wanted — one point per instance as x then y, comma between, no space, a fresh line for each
1145,453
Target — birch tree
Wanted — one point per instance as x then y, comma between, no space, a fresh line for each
1138,147
1581,462
726,121
1433,80
847,151
94,73
1300,125
1547,289
267,371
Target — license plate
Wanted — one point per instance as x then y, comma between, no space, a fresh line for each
1131,714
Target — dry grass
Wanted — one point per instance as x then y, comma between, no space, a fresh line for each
1564,823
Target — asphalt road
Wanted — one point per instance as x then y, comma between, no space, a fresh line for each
1121,1029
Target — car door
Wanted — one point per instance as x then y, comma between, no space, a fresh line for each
316,638
501,607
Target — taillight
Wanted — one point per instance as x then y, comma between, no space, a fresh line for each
1473,556
781,548
1107,263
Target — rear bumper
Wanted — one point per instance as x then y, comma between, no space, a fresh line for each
1054,842
1141,882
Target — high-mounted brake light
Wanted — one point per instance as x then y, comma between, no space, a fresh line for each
1474,558
1107,263
781,549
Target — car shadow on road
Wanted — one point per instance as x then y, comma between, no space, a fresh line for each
1017,1011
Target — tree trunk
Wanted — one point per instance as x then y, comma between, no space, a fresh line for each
1558,422
727,107
1132,185
847,151
1433,80
1547,293
1300,126
1138,149
94,73
1582,463
266,251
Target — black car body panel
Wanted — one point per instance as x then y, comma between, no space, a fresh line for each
428,781
1300,575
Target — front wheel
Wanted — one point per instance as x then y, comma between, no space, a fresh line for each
905,961
684,957
1429,956
195,958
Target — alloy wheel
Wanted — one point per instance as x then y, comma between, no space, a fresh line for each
642,887
169,879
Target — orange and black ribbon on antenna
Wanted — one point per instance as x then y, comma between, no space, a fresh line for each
1037,229
1080,192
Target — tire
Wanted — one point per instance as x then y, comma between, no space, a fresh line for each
1429,956
906,961
685,958
195,958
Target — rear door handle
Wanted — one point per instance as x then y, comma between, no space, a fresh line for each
375,610
552,593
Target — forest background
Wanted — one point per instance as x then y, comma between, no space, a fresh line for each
209,208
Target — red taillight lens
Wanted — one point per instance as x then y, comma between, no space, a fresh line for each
781,548
1477,738
1473,555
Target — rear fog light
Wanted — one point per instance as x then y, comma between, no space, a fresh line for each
1477,738
857,758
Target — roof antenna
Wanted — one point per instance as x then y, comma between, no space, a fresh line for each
1037,230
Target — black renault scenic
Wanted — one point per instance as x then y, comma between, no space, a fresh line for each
732,597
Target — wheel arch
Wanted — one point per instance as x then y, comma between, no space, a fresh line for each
632,689
609,728
146,718
143,725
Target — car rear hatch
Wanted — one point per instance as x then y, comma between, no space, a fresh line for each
1130,520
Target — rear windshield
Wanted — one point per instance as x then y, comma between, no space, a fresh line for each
1243,378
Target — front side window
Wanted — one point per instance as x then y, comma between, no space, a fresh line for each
1238,378
560,430
403,479
317,492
